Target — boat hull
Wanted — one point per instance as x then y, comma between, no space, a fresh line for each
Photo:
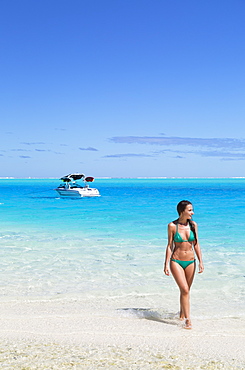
78,193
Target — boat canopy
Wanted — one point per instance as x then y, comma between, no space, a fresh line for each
77,176
73,176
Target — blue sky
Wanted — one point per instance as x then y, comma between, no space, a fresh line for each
122,88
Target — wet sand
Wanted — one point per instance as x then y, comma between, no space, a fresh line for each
67,334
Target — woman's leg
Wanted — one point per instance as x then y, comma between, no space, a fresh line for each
189,274
184,279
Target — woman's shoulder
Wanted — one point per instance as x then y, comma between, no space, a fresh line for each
194,224
172,224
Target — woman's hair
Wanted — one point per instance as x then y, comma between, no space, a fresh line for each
181,206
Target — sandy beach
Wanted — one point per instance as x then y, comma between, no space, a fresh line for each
64,334
87,290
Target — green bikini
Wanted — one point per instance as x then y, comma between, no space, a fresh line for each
178,239
183,264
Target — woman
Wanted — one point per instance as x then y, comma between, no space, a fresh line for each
182,238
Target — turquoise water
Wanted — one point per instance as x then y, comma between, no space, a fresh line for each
113,246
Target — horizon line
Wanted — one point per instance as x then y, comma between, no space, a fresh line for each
128,177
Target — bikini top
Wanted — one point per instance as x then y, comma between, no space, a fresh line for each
178,238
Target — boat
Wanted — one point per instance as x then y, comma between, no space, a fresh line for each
70,188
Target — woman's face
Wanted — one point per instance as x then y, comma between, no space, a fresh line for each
188,212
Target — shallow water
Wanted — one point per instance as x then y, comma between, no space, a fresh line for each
113,247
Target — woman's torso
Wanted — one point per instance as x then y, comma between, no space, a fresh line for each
183,239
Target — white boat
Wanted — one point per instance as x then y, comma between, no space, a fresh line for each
69,187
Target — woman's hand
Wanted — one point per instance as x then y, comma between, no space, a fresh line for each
166,271
201,268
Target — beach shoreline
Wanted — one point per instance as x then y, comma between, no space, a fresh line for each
82,285
68,334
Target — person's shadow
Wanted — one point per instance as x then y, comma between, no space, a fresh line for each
150,314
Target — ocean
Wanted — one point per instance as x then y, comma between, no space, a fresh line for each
111,249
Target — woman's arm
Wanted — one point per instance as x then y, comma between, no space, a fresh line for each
198,251
169,248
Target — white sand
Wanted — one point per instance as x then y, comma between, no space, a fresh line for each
63,334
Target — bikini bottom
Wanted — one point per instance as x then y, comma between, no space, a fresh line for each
183,264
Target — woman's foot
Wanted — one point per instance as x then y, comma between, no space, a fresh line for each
181,316
187,324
